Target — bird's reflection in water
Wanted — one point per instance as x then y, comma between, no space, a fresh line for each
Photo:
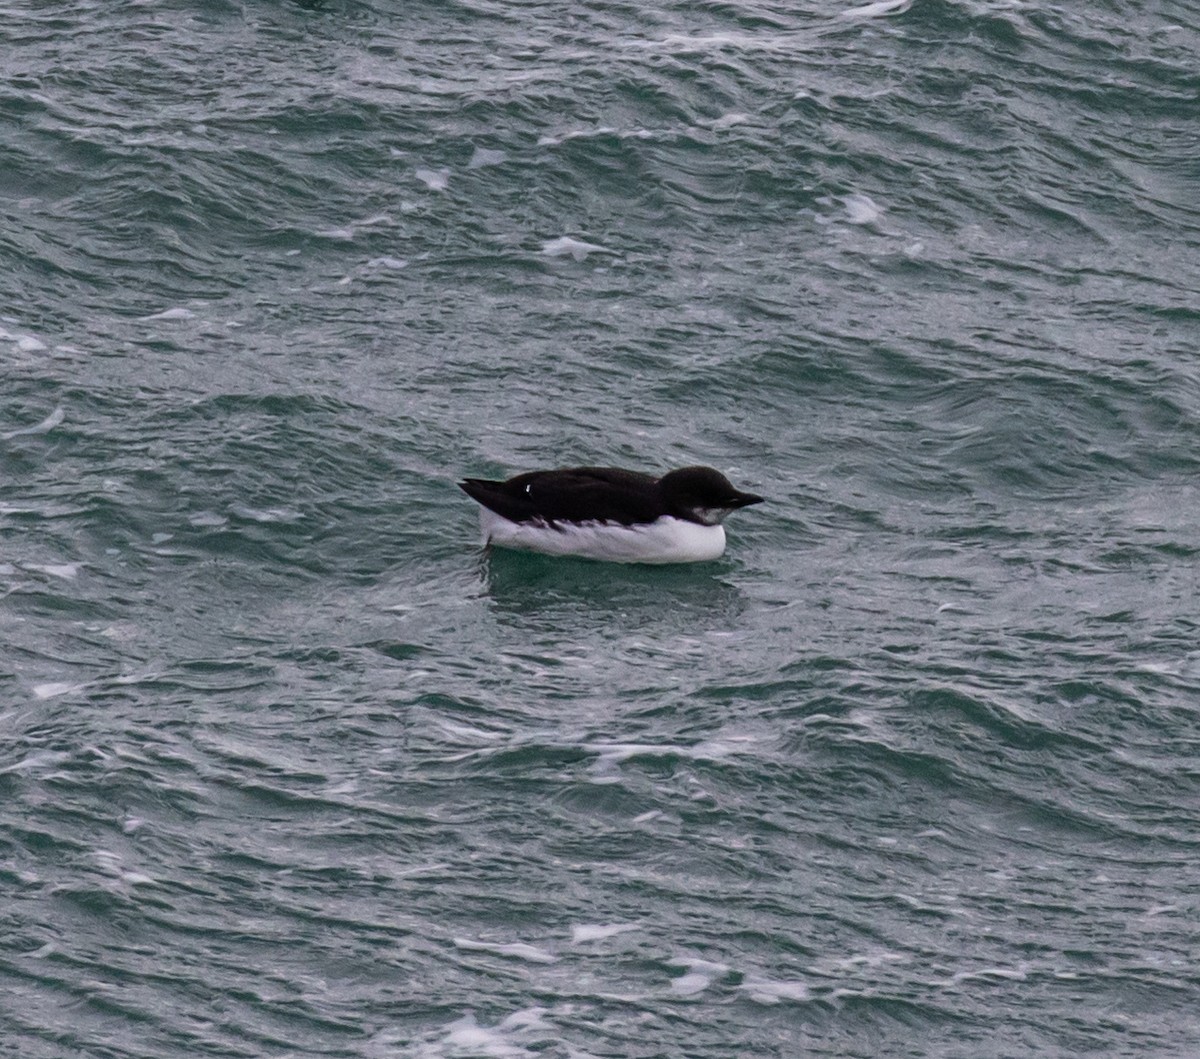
526,586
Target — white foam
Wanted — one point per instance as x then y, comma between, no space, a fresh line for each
468,733
585,932
482,156
29,344
719,749
42,759
880,958
700,975
44,427
65,571
767,991
878,10
726,121
618,753
986,974
517,950
388,262
565,246
577,134
207,518
610,755
690,984
467,1039
267,514
177,313
434,179
862,209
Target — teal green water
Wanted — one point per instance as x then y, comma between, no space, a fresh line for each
288,767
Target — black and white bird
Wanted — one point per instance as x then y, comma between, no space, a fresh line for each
609,513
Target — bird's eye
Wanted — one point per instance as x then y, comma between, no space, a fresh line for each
528,488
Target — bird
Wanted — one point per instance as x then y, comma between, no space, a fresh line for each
609,513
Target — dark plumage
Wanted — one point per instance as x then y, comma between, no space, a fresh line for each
610,494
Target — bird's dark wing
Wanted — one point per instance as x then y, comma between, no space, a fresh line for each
573,494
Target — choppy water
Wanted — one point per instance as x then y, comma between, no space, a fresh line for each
287,767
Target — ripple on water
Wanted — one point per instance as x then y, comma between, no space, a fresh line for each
292,767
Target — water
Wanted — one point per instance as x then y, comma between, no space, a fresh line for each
290,768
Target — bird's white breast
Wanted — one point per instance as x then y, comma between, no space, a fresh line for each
665,540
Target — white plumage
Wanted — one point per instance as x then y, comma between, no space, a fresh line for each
665,540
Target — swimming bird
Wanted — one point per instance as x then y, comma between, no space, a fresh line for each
609,513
